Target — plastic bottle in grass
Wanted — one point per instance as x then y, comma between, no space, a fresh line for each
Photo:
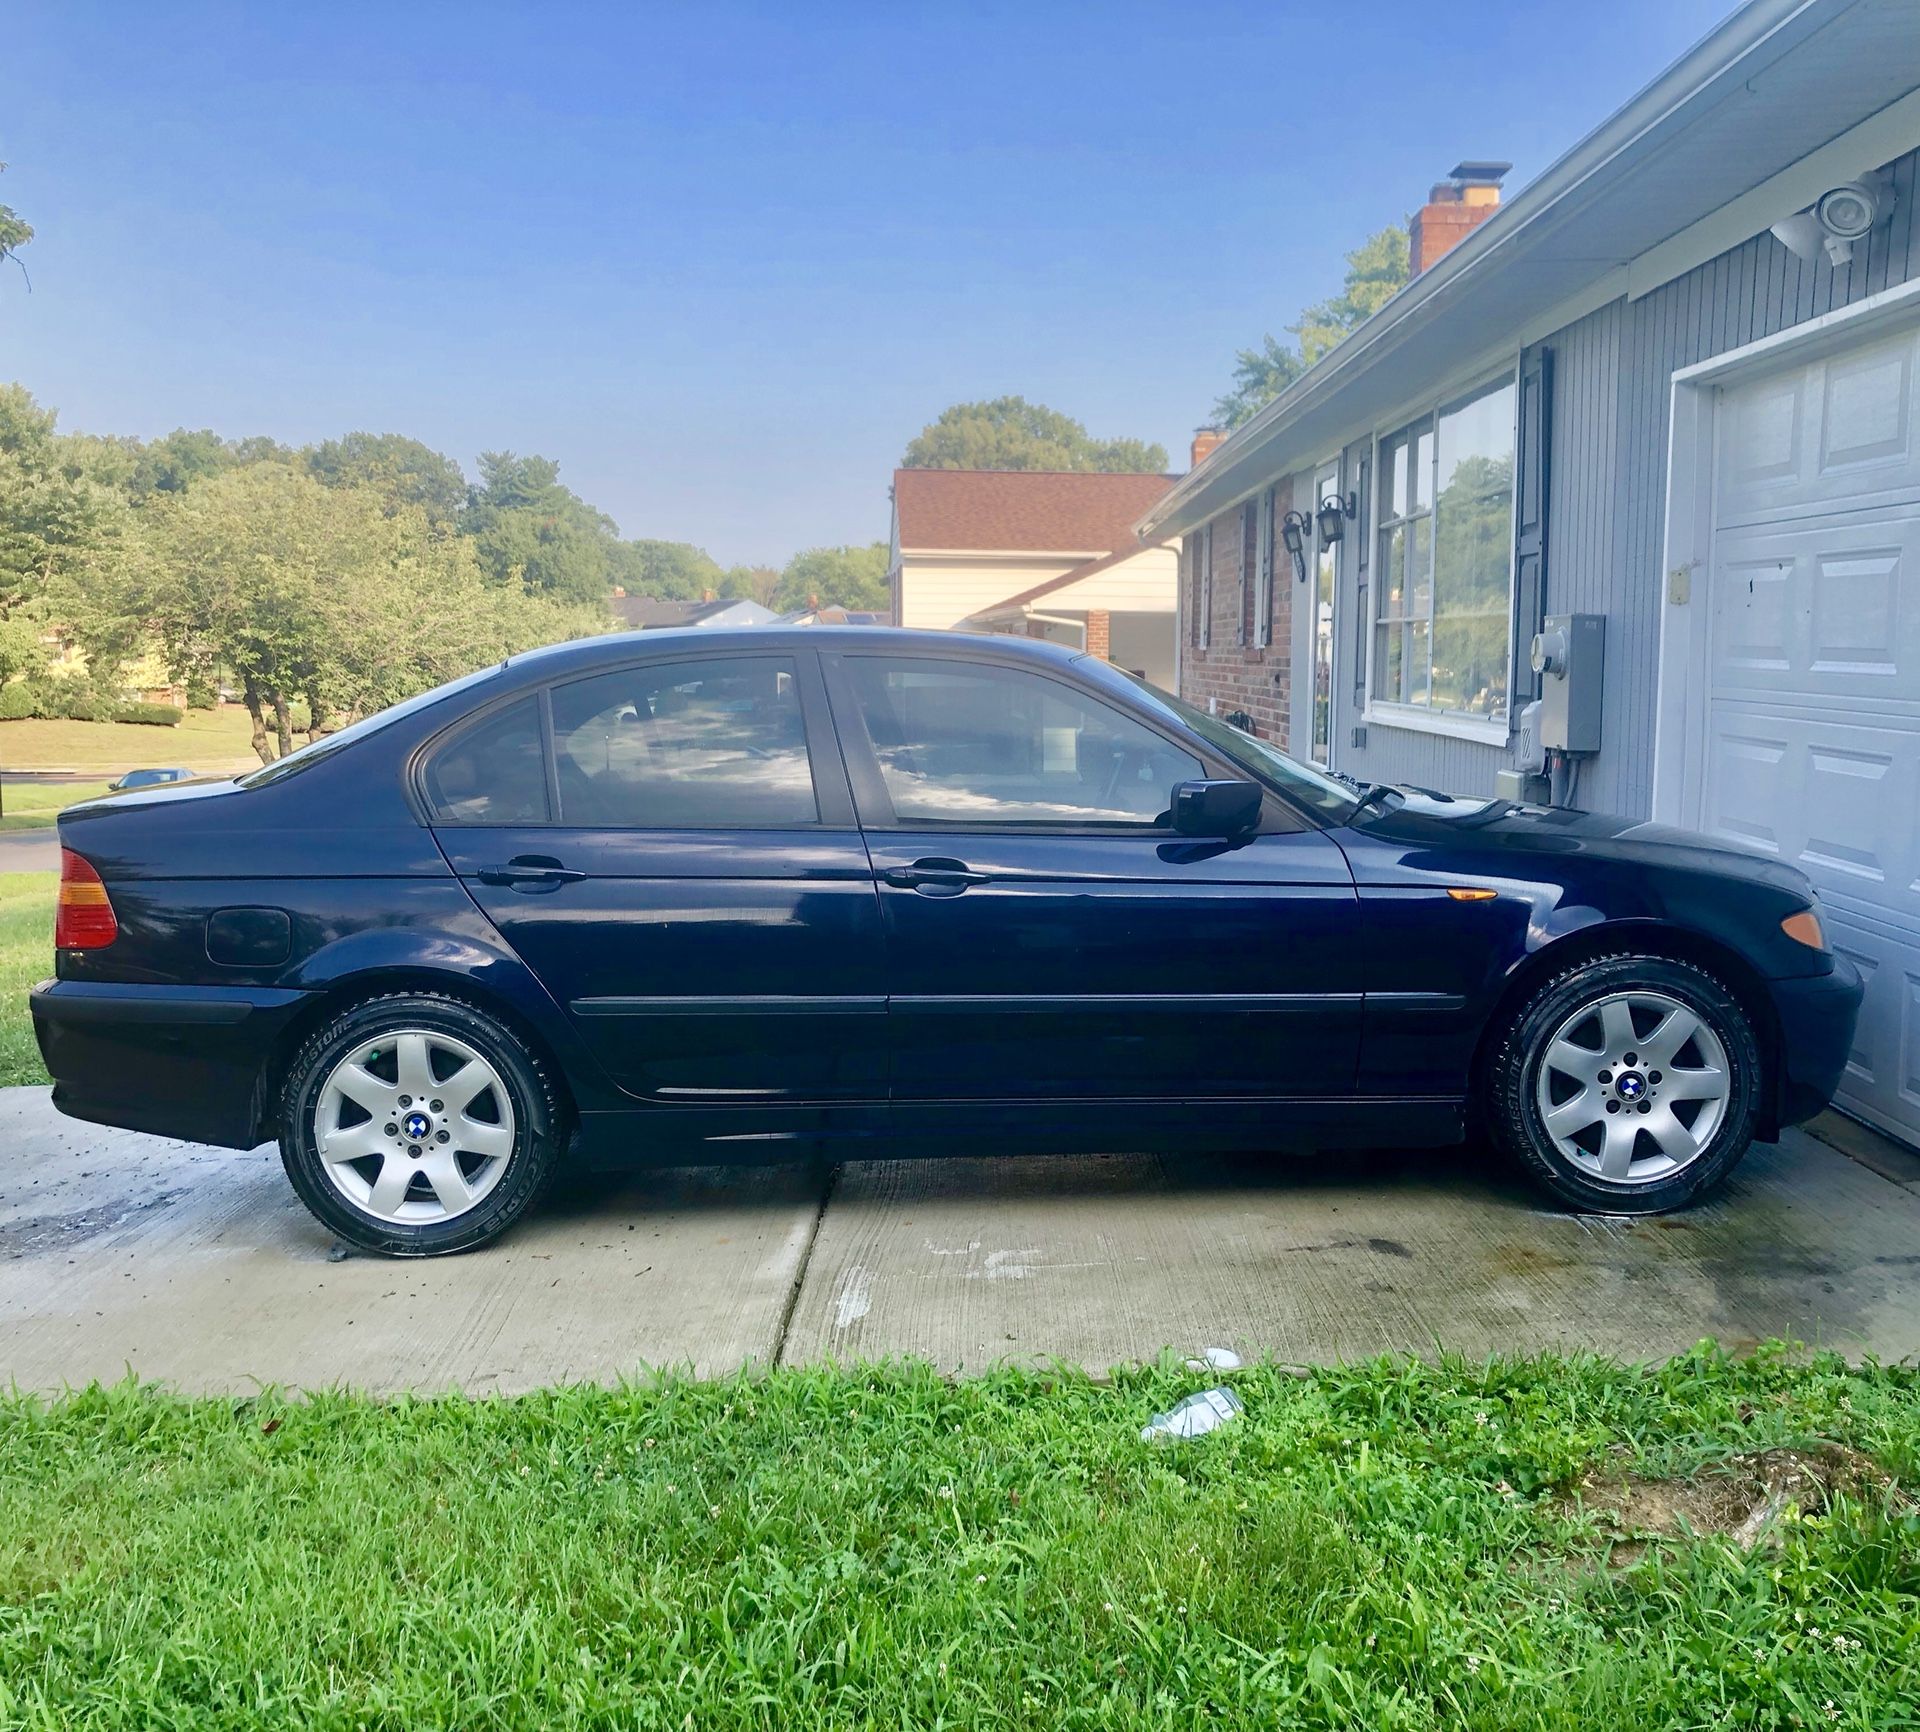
1194,1417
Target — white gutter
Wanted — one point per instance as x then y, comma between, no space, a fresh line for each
1718,59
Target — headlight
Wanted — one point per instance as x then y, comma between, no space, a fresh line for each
1804,928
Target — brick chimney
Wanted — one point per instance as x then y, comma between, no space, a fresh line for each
1456,207
1205,439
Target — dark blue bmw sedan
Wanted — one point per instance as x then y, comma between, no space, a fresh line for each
703,895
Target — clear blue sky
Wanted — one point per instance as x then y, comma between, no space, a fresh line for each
723,261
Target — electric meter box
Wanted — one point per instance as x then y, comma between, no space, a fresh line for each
1570,655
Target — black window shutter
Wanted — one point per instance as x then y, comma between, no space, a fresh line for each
1530,516
1249,552
1194,590
1363,541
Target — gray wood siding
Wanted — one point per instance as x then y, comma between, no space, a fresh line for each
1606,500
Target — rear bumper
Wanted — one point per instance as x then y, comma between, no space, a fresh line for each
178,1061
1816,1017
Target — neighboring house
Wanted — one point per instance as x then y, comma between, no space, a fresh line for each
1623,393
832,615
1038,555
649,613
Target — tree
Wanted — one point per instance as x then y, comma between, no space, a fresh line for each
531,532
15,232
58,518
403,470
305,591
667,570
854,577
1011,433
173,463
1376,269
749,583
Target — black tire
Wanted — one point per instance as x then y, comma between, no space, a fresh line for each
1511,1084
538,1124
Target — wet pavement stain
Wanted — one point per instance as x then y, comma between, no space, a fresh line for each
38,1233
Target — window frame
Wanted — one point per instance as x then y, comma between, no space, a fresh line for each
832,797
873,804
1419,718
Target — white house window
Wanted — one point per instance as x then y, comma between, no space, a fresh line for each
1444,571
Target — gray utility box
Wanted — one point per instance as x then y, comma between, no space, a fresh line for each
1570,655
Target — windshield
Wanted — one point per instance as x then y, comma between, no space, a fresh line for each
1313,788
315,750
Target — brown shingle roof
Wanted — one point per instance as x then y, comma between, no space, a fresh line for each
1026,511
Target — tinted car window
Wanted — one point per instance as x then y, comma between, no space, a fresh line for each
975,744
685,745
494,773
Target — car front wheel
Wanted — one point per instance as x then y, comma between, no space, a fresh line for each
1627,1085
415,1125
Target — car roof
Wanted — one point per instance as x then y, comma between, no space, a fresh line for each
727,640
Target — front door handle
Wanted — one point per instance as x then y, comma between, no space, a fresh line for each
530,872
935,877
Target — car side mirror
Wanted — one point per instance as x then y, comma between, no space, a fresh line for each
1215,808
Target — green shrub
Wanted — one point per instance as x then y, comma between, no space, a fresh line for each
81,704
154,715
17,703
202,694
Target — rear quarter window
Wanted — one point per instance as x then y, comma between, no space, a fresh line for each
492,772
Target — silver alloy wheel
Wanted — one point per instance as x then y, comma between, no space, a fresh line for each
1633,1087
414,1126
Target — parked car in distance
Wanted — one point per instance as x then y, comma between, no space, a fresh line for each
718,895
149,779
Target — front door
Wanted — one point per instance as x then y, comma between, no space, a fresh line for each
663,850
1049,936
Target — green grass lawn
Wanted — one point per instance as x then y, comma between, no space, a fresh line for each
35,805
204,740
26,955
1382,1547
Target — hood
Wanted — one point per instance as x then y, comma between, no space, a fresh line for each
1431,819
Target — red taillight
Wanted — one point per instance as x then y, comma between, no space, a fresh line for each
82,917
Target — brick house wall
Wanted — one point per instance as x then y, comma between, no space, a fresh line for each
1231,673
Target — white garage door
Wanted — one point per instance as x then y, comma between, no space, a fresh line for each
1813,713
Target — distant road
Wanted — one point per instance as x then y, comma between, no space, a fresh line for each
30,851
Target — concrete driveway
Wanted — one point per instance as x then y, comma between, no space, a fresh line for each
30,851
197,1266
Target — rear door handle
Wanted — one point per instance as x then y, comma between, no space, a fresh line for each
937,877
530,872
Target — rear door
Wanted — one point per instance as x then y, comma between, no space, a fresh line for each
670,846
1050,937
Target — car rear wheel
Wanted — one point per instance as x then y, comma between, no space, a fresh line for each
415,1125
1627,1085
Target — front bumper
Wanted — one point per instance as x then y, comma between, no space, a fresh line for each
1816,1016
178,1061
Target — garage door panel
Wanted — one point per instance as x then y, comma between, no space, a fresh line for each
1839,800
1826,608
1840,429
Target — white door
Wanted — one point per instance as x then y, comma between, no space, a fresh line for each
1813,708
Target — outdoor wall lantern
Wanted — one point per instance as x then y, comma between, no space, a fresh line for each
1333,514
1295,527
